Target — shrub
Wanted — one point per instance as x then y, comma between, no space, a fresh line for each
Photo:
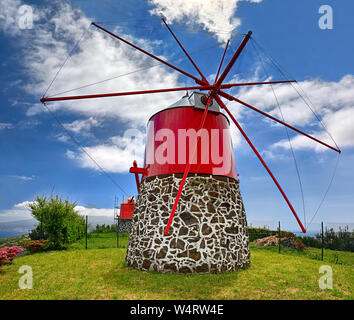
7,254
59,223
343,240
36,245
259,233
105,228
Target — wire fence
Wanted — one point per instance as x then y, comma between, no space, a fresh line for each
324,241
101,233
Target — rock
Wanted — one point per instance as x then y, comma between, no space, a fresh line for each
188,218
287,240
202,268
206,230
194,254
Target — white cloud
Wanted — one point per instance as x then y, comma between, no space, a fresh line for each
117,155
10,15
21,211
97,57
334,103
96,212
5,125
217,17
23,178
78,126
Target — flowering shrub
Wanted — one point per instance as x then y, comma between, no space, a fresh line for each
7,254
36,245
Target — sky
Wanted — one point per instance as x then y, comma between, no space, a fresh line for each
38,156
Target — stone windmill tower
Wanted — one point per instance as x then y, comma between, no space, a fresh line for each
209,230
189,215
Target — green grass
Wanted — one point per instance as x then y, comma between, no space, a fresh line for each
101,274
101,241
329,256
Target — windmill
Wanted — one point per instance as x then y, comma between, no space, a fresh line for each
189,215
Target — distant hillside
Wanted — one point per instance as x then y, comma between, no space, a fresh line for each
15,228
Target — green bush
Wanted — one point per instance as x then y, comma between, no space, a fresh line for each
343,240
259,233
59,223
105,228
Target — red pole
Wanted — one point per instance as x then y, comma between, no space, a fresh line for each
186,171
227,96
105,95
186,53
198,81
222,60
234,58
262,161
135,165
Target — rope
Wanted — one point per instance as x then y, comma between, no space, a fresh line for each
83,149
329,187
129,73
290,77
288,136
67,58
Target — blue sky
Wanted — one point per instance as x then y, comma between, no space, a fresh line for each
36,155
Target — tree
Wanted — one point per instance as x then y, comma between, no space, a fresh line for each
58,221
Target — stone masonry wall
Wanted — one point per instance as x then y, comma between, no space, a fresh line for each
124,225
208,233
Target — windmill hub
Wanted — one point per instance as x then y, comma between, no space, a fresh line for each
204,100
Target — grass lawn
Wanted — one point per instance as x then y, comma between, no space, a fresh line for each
101,241
101,274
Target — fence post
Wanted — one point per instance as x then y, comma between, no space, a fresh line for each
86,232
41,228
279,237
117,229
322,236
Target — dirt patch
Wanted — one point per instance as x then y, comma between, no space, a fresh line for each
286,239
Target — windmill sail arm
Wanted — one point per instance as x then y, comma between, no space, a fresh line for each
128,93
233,59
230,85
198,81
262,161
222,61
231,98
185,52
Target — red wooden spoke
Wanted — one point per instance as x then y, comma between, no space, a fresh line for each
135,171
228,86
227,96
222,60
186,53
116,94
186,171
262,161
150,55
233,59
